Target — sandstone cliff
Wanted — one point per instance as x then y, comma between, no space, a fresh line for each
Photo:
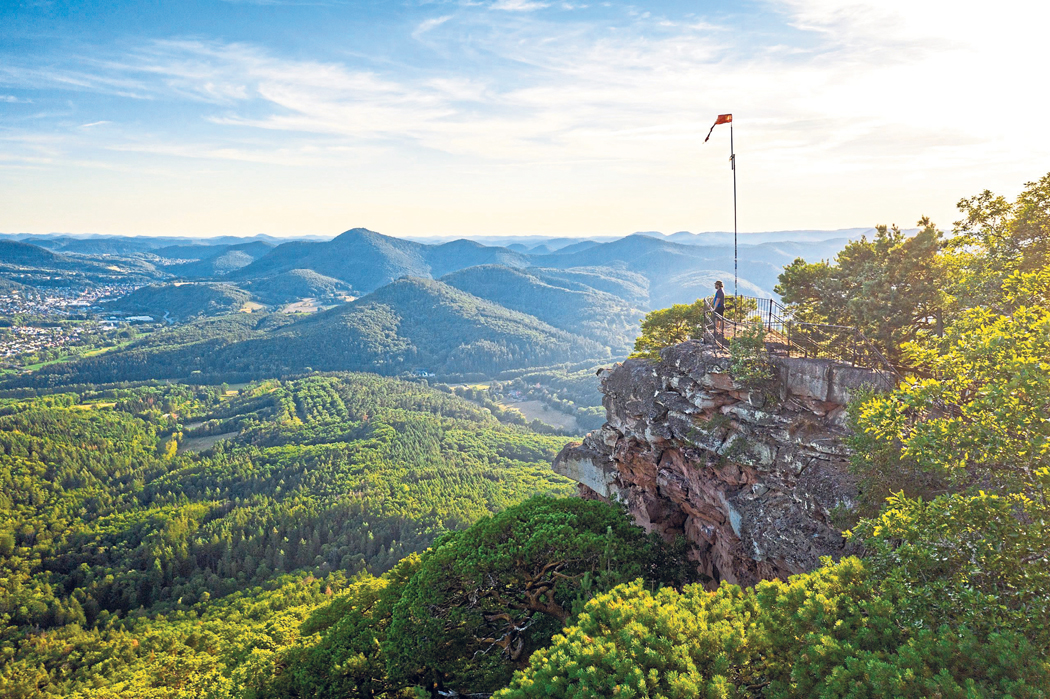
751,477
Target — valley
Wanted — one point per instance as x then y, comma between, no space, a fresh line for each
458,310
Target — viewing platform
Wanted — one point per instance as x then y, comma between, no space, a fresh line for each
788,338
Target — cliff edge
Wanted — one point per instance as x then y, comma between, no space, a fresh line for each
749,476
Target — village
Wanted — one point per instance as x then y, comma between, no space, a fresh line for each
51,320
26,339
61,301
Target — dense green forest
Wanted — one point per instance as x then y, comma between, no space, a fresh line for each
115,531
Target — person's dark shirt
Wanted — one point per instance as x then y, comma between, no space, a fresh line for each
720,300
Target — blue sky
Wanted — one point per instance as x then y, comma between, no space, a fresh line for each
517,117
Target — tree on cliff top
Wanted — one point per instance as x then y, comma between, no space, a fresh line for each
979,418
668,326
997,238
891,287
899,289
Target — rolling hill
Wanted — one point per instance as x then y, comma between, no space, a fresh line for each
629,286
180,301
666,264
213,260
17,254
567,305
646,266
412,324
296,284
407,325
38,266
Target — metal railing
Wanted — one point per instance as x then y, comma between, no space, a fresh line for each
785,337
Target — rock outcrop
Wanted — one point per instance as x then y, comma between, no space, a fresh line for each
751,477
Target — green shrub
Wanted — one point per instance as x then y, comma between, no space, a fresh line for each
747,350
485,598
828,634
978,562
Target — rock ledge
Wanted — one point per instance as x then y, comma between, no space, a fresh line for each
749,477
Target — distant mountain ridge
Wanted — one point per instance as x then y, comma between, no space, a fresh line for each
362,261
213,260
458,308
367,260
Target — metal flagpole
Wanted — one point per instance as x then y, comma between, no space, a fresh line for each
732,161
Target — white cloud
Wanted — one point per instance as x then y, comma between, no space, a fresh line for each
518,5
428,24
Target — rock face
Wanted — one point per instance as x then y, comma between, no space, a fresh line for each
750,477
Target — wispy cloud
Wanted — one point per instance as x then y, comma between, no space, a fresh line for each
518,5
582,92
428,24
845,94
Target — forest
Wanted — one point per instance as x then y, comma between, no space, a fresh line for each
116,531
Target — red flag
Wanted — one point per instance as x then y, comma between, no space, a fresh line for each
722,119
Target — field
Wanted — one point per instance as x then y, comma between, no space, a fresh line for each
536,410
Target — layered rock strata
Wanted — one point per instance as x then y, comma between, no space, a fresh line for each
750,476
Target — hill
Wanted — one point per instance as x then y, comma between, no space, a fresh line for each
205,251
410,324
407,325
366,260
296,284
567,305
180,301
99,245
36,266
629,286
213,260
26,255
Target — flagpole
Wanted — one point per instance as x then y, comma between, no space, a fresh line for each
732,160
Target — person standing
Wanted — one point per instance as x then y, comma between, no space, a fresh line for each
719,303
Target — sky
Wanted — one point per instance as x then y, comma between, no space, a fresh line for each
512,117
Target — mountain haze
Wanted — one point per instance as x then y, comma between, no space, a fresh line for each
367,260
